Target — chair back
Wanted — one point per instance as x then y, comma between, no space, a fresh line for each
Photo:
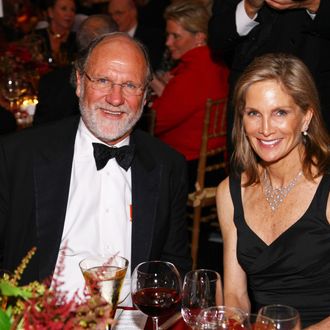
212,159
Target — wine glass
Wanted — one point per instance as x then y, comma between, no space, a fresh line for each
156,289
284,317
12,89
104,275
223,318
201,289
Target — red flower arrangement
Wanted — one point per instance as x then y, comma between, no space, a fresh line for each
38,307
24,59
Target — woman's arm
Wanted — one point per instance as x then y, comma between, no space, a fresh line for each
235,283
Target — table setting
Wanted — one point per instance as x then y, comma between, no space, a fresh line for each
160,300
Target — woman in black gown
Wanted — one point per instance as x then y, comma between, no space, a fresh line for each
274,212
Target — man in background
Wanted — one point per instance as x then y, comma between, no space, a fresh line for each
56,95
125,14
240,30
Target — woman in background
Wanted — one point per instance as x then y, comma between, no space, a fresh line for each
182,93
275,212
58,41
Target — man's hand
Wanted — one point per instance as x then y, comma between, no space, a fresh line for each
252,7
310,5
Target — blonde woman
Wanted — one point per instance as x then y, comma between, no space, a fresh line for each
275,212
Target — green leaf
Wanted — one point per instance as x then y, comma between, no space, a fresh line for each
4,321
7,289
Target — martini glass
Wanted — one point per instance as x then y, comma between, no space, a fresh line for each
104,275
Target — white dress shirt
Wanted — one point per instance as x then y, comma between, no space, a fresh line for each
98,215
244,24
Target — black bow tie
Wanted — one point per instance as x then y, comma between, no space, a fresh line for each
102,153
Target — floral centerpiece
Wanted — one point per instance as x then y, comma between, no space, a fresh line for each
24,59
37,306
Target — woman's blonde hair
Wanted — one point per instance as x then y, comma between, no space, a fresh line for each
297,81
192,15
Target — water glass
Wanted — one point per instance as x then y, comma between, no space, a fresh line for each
201,289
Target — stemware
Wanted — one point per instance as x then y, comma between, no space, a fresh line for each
104,275
284,317
12,89
223,318
260,322
201,289
156,289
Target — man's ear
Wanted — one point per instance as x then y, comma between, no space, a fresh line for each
78,83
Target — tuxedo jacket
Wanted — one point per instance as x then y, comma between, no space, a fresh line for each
287,31
35,170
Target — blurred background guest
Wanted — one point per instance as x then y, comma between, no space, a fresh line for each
151,12
55,87
241,30
58,39
7,121
182,93
125,14
277,246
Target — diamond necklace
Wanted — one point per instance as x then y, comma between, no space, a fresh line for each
275,196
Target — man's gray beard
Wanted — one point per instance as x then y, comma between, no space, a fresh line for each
101,130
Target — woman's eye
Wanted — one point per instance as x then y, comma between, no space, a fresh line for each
281,113
251,113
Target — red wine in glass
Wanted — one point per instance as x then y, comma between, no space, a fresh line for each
156,289
157,301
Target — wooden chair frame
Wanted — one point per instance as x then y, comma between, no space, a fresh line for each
214,127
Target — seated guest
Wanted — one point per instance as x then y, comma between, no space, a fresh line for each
275,212
60,190
180,105
125,14
7,121
57,39
55,87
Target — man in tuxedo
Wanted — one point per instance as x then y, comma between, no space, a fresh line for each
55,86
125,14
240,30
60,190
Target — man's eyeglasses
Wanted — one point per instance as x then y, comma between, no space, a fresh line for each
106,85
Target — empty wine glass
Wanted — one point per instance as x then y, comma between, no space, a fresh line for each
284,317
223,318
105,275
156,289
201,289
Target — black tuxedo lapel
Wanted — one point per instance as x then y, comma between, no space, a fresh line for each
146,174
52,181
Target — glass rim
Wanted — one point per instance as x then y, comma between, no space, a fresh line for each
205,270
105,258
136,269
287,307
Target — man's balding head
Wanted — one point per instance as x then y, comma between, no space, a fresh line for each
93,26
